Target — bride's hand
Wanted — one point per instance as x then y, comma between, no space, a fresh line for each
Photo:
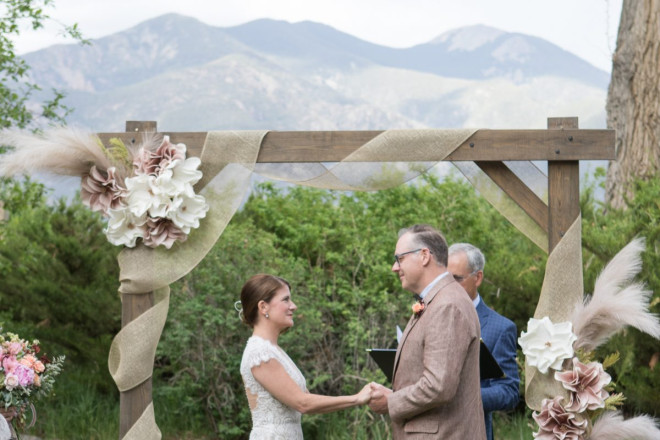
364,396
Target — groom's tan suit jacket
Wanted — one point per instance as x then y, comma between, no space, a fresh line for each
436,370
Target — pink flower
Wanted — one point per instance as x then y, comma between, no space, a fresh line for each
161,231
555,423
11,381
102,191
9,364
25,375
586,384
37,380
153,162
14,348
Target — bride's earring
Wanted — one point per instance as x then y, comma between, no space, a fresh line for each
267,315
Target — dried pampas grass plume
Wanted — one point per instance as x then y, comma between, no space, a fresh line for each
67,151
612,426
615,303
63,151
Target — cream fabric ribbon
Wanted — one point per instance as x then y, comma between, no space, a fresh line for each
531,176
562,290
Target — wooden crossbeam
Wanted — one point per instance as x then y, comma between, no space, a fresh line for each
515,188
483,145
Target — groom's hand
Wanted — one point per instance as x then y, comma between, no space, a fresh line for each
379,394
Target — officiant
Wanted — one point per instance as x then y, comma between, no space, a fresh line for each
466,263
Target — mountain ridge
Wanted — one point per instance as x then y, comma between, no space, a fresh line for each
291,76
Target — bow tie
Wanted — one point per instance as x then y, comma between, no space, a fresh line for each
418,298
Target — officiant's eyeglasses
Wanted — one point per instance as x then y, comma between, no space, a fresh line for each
397,257
460,279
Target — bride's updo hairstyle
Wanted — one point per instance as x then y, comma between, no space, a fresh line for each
260,287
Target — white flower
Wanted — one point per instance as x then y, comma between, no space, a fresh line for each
11,381
124,228
189,211
179,177
144,195
546,345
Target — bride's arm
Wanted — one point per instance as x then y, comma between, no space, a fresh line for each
272,376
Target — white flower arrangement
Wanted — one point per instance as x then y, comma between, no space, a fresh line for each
546,345
155,203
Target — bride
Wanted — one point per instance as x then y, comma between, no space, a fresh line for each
274,385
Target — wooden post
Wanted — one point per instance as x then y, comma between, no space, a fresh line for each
563,187
133,402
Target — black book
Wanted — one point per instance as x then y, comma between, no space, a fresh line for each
488,366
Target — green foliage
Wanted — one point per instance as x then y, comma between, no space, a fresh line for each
58,276
77,411
605,231
16,88
513,426
18,195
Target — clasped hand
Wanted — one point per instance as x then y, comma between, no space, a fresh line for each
374,395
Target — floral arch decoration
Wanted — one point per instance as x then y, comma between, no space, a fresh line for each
359,161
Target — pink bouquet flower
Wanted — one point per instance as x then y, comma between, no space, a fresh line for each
555,422
586,383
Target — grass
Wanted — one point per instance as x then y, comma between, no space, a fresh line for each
80,412
515,426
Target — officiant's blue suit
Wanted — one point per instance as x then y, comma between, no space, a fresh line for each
500,336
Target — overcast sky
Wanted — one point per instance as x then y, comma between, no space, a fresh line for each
586,28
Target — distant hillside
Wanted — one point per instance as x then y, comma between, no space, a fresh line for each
302,76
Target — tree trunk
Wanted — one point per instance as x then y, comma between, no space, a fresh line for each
633,101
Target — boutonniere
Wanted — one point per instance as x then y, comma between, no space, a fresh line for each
418,308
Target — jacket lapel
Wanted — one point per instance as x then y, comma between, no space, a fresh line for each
415,319
482,313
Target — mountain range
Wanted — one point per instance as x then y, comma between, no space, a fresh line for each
269,74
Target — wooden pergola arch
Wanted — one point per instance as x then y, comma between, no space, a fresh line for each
562,145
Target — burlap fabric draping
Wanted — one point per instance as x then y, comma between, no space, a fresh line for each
562,290
227,162
228,159
388,160
531,176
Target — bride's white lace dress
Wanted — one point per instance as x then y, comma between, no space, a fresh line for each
271,419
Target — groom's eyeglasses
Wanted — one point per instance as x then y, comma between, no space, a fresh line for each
397,257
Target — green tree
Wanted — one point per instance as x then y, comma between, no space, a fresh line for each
606,230
58,274
16,88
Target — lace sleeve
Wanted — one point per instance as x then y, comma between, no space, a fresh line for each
257,352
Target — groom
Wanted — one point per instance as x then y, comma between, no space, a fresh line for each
435,385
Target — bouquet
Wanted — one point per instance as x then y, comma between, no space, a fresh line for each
24,375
